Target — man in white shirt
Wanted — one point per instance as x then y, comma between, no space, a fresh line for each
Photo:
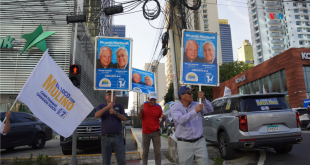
6,127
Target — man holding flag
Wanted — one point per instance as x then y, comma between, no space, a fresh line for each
5,128
112,114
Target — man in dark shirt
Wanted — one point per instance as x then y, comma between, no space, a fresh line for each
112,114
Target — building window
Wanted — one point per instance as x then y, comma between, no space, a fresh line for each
260,60
205,17
294,4
305,11
299,36
307,76
298,29
255,23
307,17
247,89
255,86
297,23
308,37
204,6
240,90
275,82
297,16
258,48
284,79
304,5
205,21
204,11
301,43
307,23
295,11
265,84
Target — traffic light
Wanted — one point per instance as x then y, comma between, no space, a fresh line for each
75,75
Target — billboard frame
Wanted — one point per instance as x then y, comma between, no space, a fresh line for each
154,82
95,62
182,54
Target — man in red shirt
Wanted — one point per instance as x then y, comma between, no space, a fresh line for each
150,113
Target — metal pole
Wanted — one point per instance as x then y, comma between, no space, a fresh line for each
174,69
74,44
199,90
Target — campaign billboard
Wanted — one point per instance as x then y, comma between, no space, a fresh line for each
306,102
112,66
199,58
143,81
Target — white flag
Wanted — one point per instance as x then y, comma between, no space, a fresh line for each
227,91
264,90
52,97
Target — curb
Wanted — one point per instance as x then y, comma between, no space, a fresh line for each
139,146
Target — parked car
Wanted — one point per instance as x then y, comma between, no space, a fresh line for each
26,129
88,135
252,121
304,118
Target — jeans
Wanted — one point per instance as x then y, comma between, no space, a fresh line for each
117,143
146,140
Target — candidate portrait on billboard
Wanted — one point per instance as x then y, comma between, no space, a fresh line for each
199,62
112,63
142,81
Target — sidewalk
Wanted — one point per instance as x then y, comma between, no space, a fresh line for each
137,133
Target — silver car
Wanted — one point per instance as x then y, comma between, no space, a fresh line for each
252,121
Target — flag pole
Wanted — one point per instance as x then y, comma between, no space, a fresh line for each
112,95
8,111
199,90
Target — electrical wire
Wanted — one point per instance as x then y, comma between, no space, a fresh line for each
151,16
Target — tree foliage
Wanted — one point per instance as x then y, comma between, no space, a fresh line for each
227,71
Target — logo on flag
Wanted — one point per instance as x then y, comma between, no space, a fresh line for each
227,91
53,98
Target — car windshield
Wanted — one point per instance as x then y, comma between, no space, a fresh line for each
263,104
92,113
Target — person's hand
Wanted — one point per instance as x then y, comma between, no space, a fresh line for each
141,108
111,105
163,117
8,114
112,111
199,108
201,95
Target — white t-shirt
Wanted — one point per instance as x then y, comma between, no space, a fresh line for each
1,129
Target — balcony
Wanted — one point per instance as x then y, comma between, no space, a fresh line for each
252,2
259,50
257,31
256,25
257,38
255,19
270,10
271,4
258,44
254,13
259,57
275,28
276,47
276,41
276,35
274,22
253,7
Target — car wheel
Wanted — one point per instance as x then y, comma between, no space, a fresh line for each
283,150
39,141
226,152
11,148
66,152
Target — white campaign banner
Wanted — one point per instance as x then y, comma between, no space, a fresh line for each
52,97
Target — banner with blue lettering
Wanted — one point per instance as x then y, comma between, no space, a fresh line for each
199,63
112,63
143,81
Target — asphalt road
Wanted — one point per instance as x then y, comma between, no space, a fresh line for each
52,148
299,155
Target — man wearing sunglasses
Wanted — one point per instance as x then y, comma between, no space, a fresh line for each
187,115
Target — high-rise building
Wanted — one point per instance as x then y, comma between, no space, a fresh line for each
105,26
226,44
119,30
277,26
245,52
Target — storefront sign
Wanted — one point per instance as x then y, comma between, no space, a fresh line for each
240,79
305,55
6,42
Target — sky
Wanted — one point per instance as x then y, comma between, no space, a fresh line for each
145,36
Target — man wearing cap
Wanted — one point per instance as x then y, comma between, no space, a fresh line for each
150,113
187,115
112,114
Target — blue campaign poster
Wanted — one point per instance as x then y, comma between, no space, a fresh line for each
199,60
306,102
142,81
113,63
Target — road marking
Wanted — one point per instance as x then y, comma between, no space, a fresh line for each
262,157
